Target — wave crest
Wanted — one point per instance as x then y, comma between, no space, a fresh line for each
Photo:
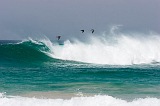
28,50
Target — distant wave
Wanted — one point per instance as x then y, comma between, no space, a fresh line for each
98,100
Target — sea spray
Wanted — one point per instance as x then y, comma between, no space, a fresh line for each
118,50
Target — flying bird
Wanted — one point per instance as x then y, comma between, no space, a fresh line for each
58,37
82,31
92,30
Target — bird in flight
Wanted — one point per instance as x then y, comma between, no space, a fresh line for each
82,31
92,30
58,37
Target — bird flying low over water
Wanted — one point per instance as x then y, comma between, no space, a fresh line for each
82,31
58,37
92,30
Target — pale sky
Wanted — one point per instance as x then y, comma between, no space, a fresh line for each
22,18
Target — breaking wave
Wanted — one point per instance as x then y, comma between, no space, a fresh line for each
115,50
98,100
118,49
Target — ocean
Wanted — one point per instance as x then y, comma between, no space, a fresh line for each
121,70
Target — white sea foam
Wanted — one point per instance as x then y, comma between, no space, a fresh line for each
121,49
112,48
77,101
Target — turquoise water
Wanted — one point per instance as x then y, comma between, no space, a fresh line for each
123,71
25,68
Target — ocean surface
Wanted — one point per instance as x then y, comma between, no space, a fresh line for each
100,71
